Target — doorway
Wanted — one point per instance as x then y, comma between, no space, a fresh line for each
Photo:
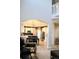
37,28
56,33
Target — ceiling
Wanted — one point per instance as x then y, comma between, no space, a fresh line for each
34,23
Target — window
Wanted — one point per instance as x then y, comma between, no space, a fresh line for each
54,1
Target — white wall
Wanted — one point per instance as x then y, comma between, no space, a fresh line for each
35,9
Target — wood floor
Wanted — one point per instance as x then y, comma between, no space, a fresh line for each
43,52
